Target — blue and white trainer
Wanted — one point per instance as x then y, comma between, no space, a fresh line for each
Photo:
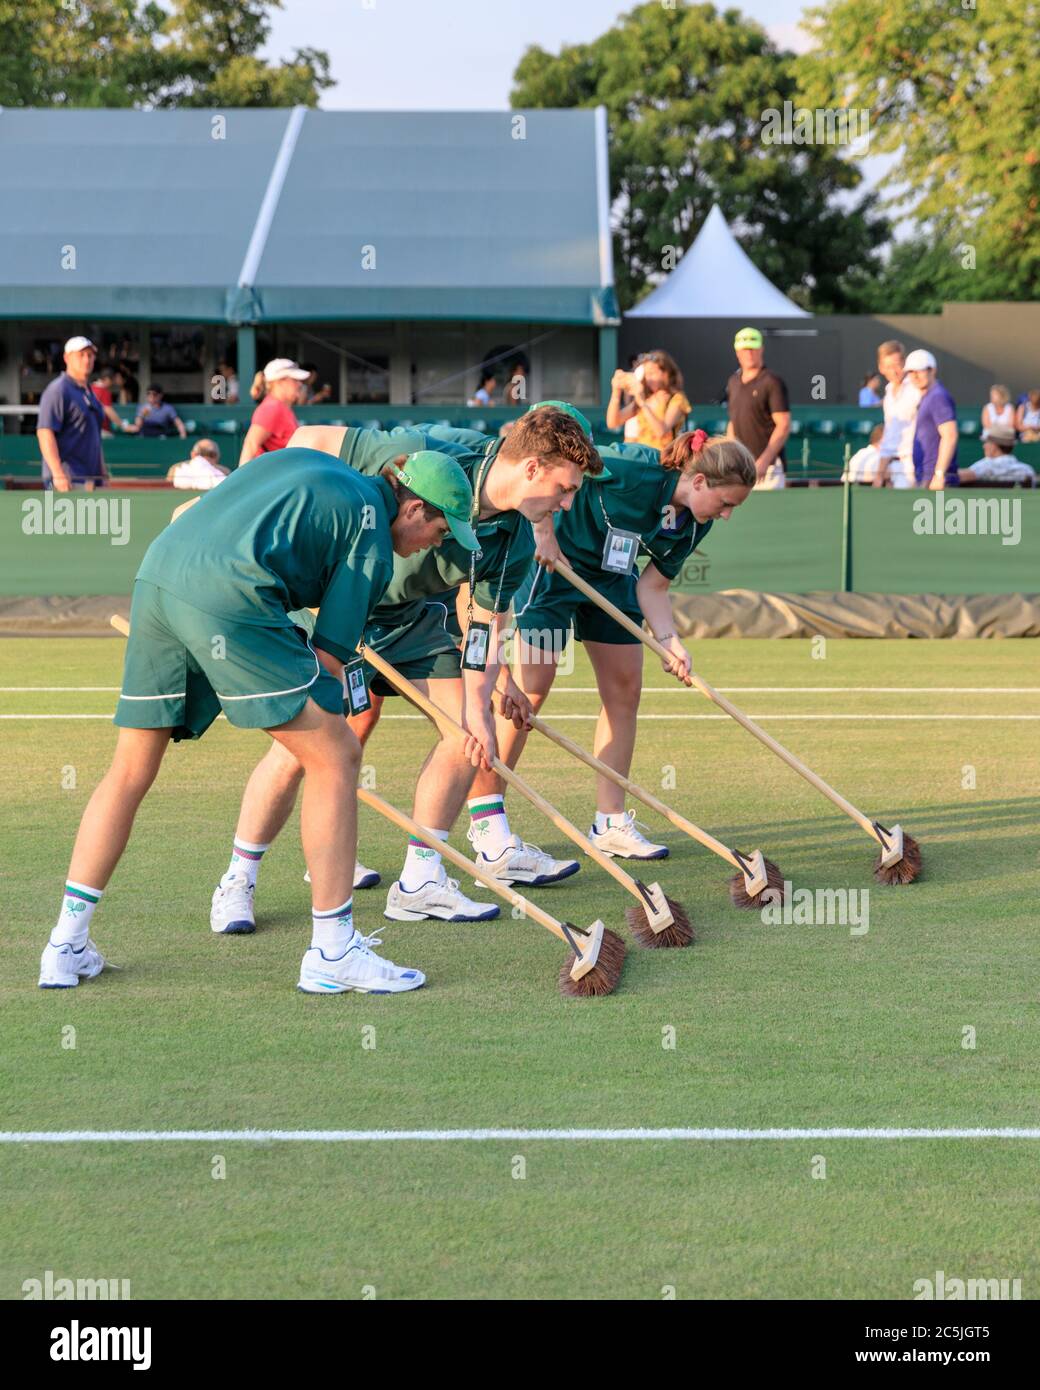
442,899
626,841
520,862
231,911
62,967
358,969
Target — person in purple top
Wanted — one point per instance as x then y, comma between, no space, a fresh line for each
935,433
70,422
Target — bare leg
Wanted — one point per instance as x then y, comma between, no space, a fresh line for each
619,675
534,674
109,815
330,756
440,792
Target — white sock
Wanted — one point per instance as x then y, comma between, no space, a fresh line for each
77,908
608,820
331,931
245,859
490,824
422,863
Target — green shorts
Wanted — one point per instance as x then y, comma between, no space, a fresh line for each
546,605
184,666
427,649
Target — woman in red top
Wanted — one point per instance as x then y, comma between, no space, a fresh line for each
277,388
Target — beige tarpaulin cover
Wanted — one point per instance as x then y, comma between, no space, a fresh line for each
742,613
732,613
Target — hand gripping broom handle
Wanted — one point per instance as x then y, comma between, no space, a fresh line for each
640,793
411,827
448,725
626,622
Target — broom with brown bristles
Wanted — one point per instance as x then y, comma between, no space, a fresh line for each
657,920
756,873
598,954
900,857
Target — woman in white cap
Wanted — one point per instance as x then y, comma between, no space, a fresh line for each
277,388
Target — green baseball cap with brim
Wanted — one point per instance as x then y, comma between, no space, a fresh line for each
748,338
440,480
575,414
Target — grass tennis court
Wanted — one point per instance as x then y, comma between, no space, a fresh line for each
804,1026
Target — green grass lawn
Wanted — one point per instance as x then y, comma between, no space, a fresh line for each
774,1025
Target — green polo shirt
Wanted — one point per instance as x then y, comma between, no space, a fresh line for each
506,539
636,497
292,529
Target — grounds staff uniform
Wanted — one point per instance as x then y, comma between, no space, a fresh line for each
634,493
295,529
414,626
77,418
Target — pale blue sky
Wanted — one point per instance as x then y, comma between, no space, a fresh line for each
454,55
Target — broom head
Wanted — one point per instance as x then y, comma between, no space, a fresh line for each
661,921
597,969
753,888
901,861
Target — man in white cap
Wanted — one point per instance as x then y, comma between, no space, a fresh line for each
70,422
277,388
935,431
901,399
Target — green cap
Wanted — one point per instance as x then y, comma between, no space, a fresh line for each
748,338
439,480
575,414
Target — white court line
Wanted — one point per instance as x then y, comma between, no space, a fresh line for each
434,1136
761,718
563,689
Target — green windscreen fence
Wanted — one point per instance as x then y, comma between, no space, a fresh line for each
797,541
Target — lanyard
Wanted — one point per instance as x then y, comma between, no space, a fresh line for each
642,543
490,453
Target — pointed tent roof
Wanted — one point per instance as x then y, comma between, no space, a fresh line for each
715,279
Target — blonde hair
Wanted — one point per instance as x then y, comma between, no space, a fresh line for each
1002,392
722,461
258,390
890,346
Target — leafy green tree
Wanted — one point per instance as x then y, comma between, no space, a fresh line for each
135,53
687,89
953,89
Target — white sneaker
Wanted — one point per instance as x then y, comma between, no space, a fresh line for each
520,862
626,841
231,911
436,899
363,878
62,967
358,969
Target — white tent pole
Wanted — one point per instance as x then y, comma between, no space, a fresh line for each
606,246
269,206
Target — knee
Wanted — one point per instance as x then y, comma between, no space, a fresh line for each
622,692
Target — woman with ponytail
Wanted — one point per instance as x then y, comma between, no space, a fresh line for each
277,390
645,505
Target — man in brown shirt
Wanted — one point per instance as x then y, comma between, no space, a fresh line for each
759,410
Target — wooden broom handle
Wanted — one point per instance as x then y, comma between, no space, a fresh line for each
562,567
640,793
412,827
448,725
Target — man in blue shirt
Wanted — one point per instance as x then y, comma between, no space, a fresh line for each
935,433
70,422
156,419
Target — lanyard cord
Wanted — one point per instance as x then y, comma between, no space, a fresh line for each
642,543
490,454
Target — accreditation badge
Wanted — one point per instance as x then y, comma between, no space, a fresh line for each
354,687
620,551
475,650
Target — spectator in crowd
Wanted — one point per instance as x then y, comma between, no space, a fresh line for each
1027,418
202,470
935,430
863,465
485,392
228,391
102,388
900,402
870,391
759,409
70,422
157,418
998,466
277,389
516,391
126,385
313,394
649,401
998,410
